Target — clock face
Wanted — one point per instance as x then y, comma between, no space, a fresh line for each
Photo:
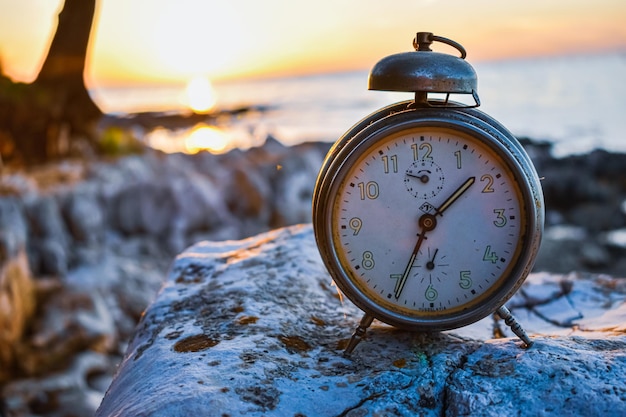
427,224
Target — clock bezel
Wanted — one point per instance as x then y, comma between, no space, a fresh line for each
400,117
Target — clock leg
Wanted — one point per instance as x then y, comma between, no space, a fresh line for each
359,333
512,322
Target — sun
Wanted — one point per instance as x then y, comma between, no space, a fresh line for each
200,95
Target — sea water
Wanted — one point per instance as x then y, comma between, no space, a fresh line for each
578,103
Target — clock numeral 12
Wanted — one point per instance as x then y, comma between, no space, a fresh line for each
426,147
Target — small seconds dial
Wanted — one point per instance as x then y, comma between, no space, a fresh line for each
431,258
424,178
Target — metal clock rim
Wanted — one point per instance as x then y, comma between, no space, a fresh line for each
478,125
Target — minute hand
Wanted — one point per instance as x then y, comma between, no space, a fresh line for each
455,195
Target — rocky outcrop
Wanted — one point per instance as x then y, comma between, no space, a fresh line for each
84,249
85,246
255,327
17,298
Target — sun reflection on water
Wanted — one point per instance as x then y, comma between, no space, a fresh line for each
206,138
201,137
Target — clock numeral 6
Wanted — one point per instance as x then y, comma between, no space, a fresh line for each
431,293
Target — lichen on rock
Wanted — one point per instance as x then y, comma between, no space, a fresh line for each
255,327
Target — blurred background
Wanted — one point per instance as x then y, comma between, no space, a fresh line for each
546,70
131,129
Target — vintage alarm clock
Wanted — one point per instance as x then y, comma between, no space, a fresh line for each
428,213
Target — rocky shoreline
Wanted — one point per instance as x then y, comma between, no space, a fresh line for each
84,247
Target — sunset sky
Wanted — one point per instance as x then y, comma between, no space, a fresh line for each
165,41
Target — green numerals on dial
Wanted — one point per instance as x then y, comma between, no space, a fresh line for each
500,218
431,293
466,280
490,256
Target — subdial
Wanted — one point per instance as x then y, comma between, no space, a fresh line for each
424,179
436,263
434,272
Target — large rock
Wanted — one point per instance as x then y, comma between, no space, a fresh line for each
255,327
17,298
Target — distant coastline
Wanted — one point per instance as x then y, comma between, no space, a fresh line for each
575,102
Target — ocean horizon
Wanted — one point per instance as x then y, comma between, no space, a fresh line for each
576,102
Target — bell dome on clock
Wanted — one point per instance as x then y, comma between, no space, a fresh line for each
426,71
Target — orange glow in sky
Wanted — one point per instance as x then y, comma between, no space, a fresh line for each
162,41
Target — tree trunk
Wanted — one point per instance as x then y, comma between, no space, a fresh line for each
57,114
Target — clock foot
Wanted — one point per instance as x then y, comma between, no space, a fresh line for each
516,328
358,334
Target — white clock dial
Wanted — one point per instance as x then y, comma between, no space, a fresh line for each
428,219
447,243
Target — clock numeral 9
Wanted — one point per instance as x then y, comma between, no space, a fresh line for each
369,190
356,224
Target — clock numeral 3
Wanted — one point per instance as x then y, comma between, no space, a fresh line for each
500,218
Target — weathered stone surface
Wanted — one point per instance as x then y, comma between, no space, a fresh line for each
255,327
67,215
